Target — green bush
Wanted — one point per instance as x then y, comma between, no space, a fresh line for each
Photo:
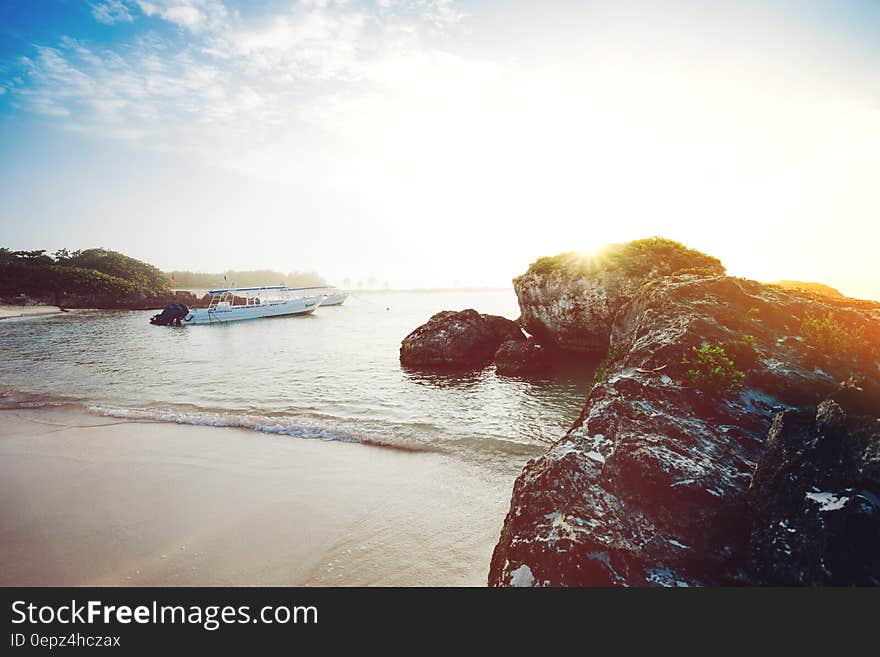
636,258
754,313
831,336
143,276
90,272
712,370
54,280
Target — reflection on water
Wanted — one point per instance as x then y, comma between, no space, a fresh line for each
334,374
443,378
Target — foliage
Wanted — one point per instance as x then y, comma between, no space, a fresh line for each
754,313
712,370
53,280
144,276
638,258
90,272
202,281
697,271
831,336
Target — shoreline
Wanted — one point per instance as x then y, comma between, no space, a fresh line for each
91,500
8,311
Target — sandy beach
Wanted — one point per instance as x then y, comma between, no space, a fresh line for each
90,500
9,311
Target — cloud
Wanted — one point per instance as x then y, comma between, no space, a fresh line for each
194,15
230,75
110,12
311,43
293,93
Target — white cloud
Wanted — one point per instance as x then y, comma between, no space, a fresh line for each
270,77
194,15
111,11
308,43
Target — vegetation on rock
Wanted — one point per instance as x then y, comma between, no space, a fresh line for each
832,337
636,258
712,370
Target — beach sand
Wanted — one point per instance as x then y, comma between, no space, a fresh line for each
8,311
89,500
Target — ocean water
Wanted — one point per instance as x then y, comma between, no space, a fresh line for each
333,375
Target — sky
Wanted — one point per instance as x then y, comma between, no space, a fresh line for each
443,143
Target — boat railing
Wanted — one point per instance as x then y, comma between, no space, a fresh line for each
258,296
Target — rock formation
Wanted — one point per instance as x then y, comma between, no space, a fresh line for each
570,301
463,340
521,357
816,510
652,484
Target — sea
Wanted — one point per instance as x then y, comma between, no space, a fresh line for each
333,375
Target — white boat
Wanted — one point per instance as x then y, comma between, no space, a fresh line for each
334,297
240,303
330,295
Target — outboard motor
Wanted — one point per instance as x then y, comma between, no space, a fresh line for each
171,316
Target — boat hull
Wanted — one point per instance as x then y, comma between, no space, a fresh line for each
334,299
301,306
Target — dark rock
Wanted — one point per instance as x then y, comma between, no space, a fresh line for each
463,340
816,498
517,357
651,485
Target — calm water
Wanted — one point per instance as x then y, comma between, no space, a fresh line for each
334,375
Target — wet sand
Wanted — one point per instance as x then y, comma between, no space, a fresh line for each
8,312
89,500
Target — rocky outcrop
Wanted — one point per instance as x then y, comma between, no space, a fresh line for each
570,301
464,340
521,357
651,485
816,495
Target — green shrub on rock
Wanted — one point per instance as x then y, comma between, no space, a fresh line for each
637,258
831,336
712,370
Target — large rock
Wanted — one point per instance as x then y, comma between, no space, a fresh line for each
521,357
651,485
464,339
570,301
816,495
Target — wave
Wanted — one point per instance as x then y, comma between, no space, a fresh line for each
313,426
296,426
403,436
